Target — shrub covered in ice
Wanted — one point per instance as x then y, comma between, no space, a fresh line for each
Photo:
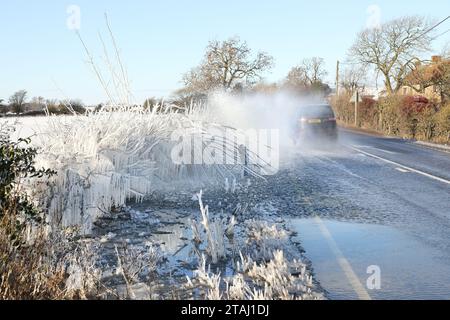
135,265
105,158
255,281
214,230
83,274
264,238
262,270
208,281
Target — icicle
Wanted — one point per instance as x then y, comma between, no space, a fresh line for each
227,185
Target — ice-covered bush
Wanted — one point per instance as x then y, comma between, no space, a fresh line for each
105,158
208,281
263,238
43,265
214,230
17,165
261,270
275,279
84,276
136,265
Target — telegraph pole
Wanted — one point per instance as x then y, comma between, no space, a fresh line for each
356,107
337,78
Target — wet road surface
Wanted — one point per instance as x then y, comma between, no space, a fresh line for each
377,203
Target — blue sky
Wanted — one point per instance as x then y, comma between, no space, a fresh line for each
160,40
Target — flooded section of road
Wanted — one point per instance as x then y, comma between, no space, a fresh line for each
408,268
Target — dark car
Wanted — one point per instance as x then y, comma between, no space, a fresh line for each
316,121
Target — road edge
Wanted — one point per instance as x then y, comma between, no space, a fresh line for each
430,145
425,144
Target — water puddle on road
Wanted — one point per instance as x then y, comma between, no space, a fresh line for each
409,269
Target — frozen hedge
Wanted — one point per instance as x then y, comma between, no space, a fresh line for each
105,158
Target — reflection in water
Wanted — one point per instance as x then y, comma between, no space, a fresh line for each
409,269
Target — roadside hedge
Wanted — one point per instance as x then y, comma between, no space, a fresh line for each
412,117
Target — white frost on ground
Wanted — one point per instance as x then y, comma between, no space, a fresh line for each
257,281
262,272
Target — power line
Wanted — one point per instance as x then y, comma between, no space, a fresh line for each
432,28
440,35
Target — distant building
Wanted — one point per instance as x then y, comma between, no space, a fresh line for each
373,93
420,80
366,92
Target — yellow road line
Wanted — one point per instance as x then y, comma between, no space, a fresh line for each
343,262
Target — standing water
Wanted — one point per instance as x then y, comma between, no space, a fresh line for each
407,268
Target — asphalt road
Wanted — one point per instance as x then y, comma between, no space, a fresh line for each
368,206
380,202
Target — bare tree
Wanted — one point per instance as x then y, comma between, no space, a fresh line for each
308,76
38,100
309,72
446,51
226,65
297,78
353,78
3,108
393,48
17,100
315,68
